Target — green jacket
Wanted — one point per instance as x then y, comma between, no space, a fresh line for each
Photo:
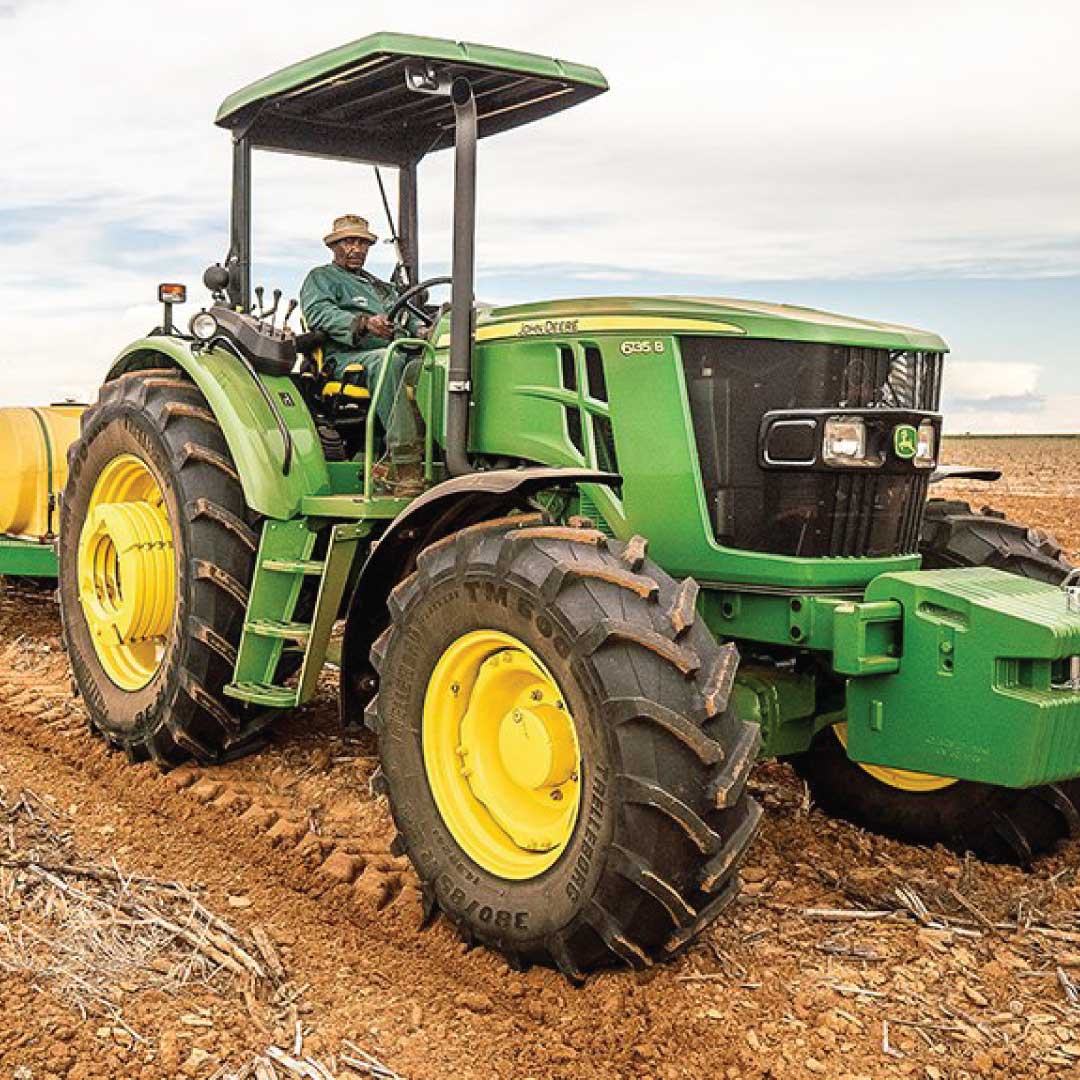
331,299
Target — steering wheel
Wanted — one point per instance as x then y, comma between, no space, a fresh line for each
405,303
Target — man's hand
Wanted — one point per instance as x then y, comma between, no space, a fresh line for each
380,326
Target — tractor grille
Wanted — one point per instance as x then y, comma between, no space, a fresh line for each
895,380
809,512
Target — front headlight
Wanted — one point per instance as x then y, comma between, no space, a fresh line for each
203,326
925,448
844,443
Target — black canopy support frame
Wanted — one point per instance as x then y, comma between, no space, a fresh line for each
459,90
386,100
408,220
392,100
238,260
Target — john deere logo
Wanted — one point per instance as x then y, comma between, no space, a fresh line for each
905,441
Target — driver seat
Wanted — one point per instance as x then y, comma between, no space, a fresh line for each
349,384
340,404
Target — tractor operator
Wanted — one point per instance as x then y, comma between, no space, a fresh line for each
349,305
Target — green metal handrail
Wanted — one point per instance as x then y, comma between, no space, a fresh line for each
376,395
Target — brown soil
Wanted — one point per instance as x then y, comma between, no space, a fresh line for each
965,969
1040,482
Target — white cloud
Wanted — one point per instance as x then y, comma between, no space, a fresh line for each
748,141
775,140
974,381
603,275
1058,415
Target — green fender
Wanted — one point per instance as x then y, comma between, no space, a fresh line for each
247,422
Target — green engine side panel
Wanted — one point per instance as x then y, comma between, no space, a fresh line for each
528,390
646,317
247,423
978,692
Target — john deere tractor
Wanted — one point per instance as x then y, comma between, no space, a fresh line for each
660,537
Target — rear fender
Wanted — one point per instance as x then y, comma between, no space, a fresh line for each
247,422
446,508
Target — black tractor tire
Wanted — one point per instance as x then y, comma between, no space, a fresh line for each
665,819
955,535
162,418
994,823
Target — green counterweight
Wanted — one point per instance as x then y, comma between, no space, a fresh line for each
982,689
959,673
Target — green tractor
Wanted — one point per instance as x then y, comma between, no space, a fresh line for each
659,538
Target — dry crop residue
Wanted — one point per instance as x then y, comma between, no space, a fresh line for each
847,956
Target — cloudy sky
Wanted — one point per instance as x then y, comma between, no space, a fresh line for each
915,162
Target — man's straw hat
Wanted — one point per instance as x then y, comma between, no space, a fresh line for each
349,225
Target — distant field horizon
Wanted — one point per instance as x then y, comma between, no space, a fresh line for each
1039,485
1009,435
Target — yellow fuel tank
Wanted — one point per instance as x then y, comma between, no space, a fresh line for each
33,466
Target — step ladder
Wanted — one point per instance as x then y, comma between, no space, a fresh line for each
271,627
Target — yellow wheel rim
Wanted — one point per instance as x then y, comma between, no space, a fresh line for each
127,572
904,779
501,754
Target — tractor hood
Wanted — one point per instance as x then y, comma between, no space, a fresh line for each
695,315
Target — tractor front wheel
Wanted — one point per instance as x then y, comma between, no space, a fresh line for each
557,746
155,556
995,823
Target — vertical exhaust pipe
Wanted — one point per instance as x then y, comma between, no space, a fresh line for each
459,374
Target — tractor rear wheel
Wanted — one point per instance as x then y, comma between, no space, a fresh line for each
995,823
156,553
558,749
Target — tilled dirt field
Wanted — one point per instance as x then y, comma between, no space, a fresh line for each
847,955
1040,484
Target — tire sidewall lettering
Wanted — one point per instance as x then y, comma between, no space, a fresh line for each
542,905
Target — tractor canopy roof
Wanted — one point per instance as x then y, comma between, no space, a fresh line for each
354,102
